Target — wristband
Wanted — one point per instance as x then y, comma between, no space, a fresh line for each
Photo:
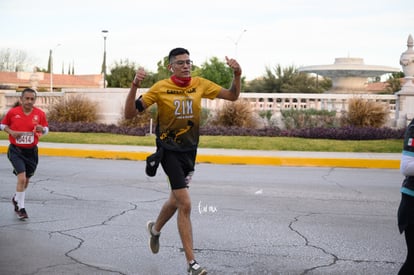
237,73
135,85
138,104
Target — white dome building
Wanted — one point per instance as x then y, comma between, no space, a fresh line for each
348,75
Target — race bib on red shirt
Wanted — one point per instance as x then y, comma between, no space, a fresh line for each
25,138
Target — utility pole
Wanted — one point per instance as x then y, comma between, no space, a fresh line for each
105,34
51,66
236,42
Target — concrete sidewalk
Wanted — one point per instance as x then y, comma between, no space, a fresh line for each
226,156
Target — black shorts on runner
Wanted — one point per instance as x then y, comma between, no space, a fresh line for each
177,166
405,212
23,159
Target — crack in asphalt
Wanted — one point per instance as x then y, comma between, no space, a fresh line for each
82,241
307,243
332,258
326,178
335,258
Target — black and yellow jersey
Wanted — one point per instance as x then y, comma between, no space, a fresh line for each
179,109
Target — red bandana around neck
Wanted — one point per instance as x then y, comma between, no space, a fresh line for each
181,81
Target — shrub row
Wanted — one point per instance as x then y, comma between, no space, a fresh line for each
347,133
342,133
92,127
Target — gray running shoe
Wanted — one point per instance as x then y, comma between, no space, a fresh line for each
154,242
196,269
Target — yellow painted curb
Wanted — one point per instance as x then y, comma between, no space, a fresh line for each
220,159
298,161
84,153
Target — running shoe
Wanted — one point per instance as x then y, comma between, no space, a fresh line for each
16,207
195,269
154,242
22,214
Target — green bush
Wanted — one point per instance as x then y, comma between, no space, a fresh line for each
143,120
266,114
308,118
73,109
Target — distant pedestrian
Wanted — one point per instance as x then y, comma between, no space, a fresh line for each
24,124
178,100
406,208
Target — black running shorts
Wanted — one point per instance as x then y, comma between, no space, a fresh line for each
23,159
177,165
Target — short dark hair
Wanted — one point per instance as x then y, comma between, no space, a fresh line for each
175,52
29,90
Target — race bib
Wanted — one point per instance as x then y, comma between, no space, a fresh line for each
26,138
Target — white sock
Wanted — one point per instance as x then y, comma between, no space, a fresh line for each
20,199
155,232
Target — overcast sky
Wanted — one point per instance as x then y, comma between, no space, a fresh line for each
259,33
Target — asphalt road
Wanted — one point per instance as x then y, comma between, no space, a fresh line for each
88,216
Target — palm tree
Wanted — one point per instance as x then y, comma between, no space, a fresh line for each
394,82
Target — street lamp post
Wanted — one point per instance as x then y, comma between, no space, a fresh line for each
105,34
236,42
51,67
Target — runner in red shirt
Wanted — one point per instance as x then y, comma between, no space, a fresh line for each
24,124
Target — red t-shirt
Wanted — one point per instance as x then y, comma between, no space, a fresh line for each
17,120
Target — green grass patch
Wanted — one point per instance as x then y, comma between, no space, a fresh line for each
236,142
301,144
